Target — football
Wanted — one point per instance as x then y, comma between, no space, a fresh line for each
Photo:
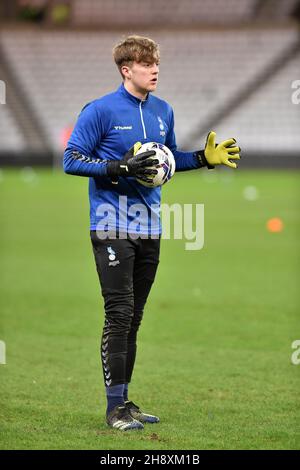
165,167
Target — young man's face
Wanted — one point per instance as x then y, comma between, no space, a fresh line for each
143,76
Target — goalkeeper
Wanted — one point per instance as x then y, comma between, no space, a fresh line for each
106,137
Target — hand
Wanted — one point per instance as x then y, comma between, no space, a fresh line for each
132,151
221,154
140,166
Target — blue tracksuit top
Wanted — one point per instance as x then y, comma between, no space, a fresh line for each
105,130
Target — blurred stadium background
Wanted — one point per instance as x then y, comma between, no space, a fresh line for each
226,65
223,318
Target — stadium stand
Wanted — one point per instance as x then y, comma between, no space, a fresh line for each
60,72
268,120
275,9
177,12
239,57
11,137
155,12
228,67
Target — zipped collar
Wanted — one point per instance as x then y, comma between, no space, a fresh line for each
130,97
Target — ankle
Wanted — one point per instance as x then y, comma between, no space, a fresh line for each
114,397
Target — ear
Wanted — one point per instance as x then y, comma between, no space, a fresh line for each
126,71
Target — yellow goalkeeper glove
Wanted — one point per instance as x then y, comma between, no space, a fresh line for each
136,148
221,154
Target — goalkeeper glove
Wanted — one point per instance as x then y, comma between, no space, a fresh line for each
217,154
140,166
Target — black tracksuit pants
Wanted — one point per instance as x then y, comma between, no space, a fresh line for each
126,269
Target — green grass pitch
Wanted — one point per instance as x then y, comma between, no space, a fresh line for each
214,351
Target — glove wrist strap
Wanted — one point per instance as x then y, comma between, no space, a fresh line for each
113,168
202,160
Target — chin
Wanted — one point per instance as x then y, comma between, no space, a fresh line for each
152,87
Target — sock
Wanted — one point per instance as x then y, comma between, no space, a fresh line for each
114,397
125,393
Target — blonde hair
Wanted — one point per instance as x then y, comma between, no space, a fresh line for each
135,49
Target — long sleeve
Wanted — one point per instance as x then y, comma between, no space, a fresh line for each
86,135
184,160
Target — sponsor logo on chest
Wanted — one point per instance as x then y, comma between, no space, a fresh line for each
123,128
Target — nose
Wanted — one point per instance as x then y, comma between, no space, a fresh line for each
155,69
